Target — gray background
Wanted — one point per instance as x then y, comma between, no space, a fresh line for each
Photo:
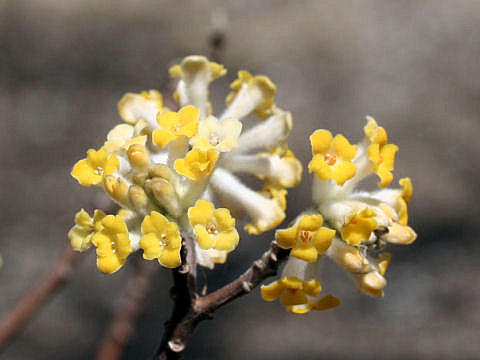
413,65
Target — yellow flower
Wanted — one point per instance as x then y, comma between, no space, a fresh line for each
85,227
192,65
176,124
283,168
113,244
404,199
161,240
383,261
122,137
359,226
260,86
214,228
93,169
197,164
221,136
279,194
144,106
332,157
307,239
296,295
381,154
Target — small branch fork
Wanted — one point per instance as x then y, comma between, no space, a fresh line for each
190,308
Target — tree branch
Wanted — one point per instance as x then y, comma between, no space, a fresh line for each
261,269
58,275
190,308
123,323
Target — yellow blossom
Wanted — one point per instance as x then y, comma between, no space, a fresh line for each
359,226
93,169
176,124
404,199
137,107
195,65
113,244
161,240
332,157
285,169
278,193
296,295
85,227
221,136
197,164
307,239
262,84
122,137
381,154
383,261
214,228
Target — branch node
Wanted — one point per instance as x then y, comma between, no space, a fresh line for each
184,269
176,345
258,264
247,286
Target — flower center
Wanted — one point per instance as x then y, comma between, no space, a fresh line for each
305,236
114,246
163,239
292,291
214,139
330,159
211,228
98,170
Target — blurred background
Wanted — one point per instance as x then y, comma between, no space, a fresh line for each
414,66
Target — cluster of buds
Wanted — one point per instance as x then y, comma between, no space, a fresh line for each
345,224
167,170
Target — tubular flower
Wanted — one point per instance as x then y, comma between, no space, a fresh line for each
213,228
259,89
123,136
359,226
221,136
93,169
143,107
381,154
113,244
85,227
298,290
332,157
174,125
307,239
157,164
197,164
196,73
161,240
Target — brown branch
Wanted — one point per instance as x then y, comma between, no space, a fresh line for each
56,277
190,308
123,323
261,269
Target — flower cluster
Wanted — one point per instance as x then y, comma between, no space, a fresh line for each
357,223
167,169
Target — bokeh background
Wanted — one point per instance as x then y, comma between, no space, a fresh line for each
413,65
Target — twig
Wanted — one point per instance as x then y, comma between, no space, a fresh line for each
261,269
123,323
190,308
58,275
183,319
